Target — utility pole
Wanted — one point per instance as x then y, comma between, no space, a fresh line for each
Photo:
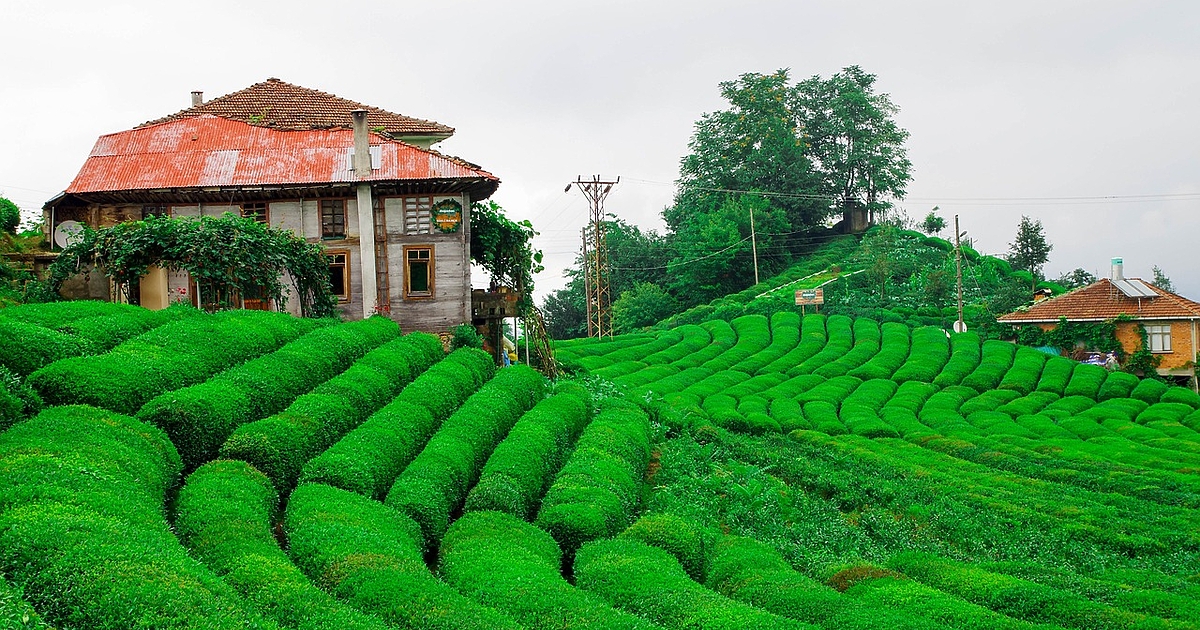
753,244
599,297
959,325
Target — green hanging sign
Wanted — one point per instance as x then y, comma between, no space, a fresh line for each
447,215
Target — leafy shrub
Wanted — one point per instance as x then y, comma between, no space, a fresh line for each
167,358
500,561
435,483
965,353
812,340
1117,385
649,582
369,555
866,345
1180,395
687,541
201,417
25,348
839,341
83,533
224,515
1055,375
595,493
1086,380
1026,370
523,465
465,336
1149,390
279,445
784,334
995,360
893,352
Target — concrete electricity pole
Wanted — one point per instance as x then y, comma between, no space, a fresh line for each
595,263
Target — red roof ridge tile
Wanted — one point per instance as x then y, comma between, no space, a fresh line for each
1102,300
289,107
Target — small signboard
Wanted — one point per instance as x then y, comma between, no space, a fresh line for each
810,296
447,215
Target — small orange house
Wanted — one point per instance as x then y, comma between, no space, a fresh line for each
1172,322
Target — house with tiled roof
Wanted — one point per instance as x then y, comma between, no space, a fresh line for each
392,213
1171,322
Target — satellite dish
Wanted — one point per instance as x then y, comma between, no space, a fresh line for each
960,326
67,233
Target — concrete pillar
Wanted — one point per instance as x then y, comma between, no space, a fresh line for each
366,213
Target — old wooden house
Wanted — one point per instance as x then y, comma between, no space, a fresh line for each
1171,322
392,213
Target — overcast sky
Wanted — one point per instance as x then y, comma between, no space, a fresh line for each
1081,114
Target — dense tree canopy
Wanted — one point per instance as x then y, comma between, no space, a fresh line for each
504,248
1029,250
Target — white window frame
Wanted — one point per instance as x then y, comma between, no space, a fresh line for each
1159,338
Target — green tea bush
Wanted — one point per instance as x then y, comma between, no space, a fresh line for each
369,555
723,338
1180,395
614,371
823,417
866,345
911,395
794,386
717,382
25,348
785,334
82,528
279,445
929,354
224,516
753,335
201,417
1086,380
893,352
502,562
997,423
756,385
752,572
1117,385
688,541
840,340
1044,426
904,421
812,340
167,358
436,482
1031,403
680,381
1026,370
692,338
988,401
866,422
965,354
872,394
649,582
1055,375
916,600
646,376
789,414
523,465
995,361
596,492
1168,411
659,342
1149,390
834,390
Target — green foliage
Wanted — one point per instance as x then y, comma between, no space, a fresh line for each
640,307
224,516
933,224
227,256
369,556
1029,250
280,444
436,482
502,562
1161,280
465,336
10,216
504,248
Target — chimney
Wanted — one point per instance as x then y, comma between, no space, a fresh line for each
1118,269
197,98
362,145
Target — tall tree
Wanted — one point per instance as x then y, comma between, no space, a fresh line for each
756,144
1030,250
1161,280
854,143
933,224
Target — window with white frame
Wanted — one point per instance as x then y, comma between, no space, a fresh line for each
1160,337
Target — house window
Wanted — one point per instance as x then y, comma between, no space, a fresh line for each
255,211
1160,337
418,272
339,275
333,218
155,211
418,215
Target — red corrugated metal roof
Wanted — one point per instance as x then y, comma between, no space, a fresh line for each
1102,301
207,151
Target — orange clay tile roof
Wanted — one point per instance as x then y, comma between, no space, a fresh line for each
1102,301
286,107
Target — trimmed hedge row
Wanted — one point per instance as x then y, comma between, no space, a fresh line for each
369,555
753,336
866,345
839,340
893,352
929,354
596,492
1031,403
167,358
1026,370
966,350
523,465
368,459
1086,380
649,582
994,363
224,515
785,334
755,573
833,391
435,483
201,417
500,561
82,531
692,338
812,340
1055,375
723,338
914,599
279,445
1019,598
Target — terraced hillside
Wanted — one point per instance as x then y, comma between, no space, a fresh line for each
251,470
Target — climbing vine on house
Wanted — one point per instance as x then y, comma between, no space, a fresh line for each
225,255
504,248
1097,337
